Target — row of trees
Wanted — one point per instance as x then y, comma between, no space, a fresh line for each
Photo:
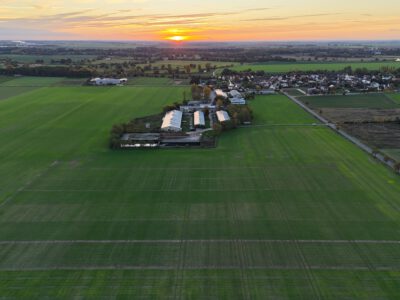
60,71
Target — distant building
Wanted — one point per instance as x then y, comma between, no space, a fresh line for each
222,116
235,94
266,92
172,121
199,120
108,81
238,101
220,93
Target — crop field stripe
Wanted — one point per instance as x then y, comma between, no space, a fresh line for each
198,268
183,241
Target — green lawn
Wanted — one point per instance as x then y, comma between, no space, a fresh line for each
274,212
291,67
376,100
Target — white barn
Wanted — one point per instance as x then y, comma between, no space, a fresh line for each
172,121
222,116
108,81
199,120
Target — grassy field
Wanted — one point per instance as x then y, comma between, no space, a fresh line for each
153,81
393,153
376,100
290,67
272,110
7,91
28,81
274,212
396,97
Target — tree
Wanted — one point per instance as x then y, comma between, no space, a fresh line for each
207,92
219,103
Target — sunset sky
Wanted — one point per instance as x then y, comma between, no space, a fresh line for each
206,20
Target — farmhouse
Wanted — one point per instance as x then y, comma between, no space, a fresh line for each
199,120
172,121
108,81
222,116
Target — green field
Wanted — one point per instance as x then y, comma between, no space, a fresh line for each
376,100
396,97
274,212
272,110
291,67
30,81
153,81
392,153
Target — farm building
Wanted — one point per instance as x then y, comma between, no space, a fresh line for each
222,116
266,92
108,81
238,101
235,94
199,120
172,121
140,140
220,93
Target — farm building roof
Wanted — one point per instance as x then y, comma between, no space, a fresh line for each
199,118
172,121
222,116
220,93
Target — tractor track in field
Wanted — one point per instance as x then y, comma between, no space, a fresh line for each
213,241
29,183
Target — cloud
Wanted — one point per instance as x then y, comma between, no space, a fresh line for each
293,17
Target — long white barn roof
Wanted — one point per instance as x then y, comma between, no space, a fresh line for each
222,116
199,118
172,120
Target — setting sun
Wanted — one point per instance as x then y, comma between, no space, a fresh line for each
177,38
